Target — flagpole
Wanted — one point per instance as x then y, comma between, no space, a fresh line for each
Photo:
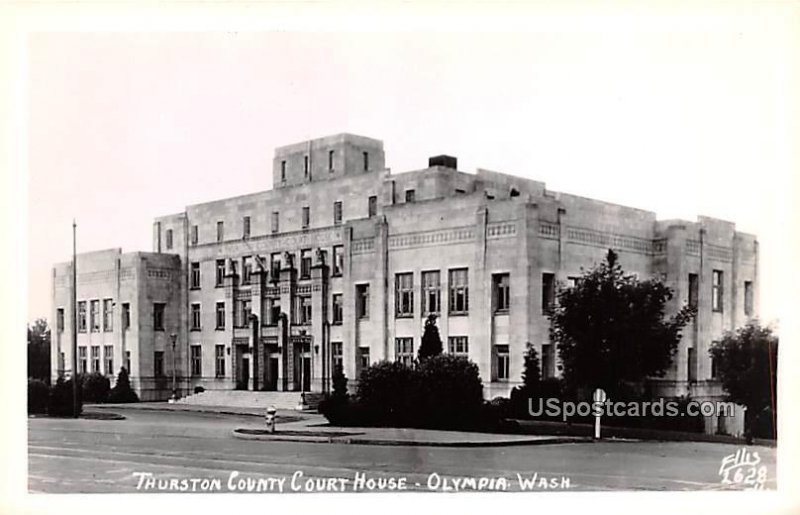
75,408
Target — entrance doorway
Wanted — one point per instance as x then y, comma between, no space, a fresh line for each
302,366
273,361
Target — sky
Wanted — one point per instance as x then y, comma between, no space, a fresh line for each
683,119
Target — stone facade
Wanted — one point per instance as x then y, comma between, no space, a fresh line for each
353,258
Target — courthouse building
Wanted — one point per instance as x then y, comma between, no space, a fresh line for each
342,261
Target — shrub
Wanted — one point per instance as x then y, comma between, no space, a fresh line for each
386,392
60,400
38,393
122,391
450,392
199,389
96,387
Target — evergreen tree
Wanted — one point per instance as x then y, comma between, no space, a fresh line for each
431,342
122,391
339,383
530,369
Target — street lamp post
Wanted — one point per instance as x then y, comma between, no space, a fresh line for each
174,397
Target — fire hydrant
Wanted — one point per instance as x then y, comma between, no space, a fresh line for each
269,418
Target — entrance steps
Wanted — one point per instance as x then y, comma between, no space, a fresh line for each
250,399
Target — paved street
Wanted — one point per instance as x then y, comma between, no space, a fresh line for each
118,456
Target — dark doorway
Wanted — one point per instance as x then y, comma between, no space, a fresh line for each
244,381
272,373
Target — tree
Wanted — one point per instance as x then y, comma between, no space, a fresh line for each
39,350
531,373
122,391
611,330
431,342
339,383
747,366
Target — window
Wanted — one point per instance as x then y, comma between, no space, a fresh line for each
548,360
94,316
330,160
337,213
197,362
337,355
247,269
62,364
501,362
306,217
548,292
128,361
96,358
82,316
243,311
366,160
276,217
246,227
126,316
693,290
716,290
158,316
219,279
410,195
363,359
748,298
275,265
82,359
220,231
362,300
195,317
338,260
458,345
337,308
404,350
158,363
220,316
194,235
303,315
305,264
60,320
108,315
305,166
431,294
169,239
459,291
501,286
404,294
372,206
194,276
691,364
219,362
283,171
270,311
108,357
714,367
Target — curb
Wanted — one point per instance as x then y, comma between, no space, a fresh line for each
208,411
408,443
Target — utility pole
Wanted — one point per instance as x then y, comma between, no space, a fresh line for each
75,407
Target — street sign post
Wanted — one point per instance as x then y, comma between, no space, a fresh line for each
599,397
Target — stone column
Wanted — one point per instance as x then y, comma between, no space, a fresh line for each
319,314
287,282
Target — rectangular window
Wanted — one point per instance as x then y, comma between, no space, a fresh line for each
548,360
337,355
283,171
194,235
303,310
220,316
748,298
404,350
128,361
305,264
246,227
194,276
548,292
94,316
305,166
96,358
306,217
273,306
158,316
714,367
82,316
372,206
158,363
60,320
108,315
459,291
220,231
366,161
219,279
247,269
458,345
195,317
716,290
501,286
694,290
169,239
330,160
404,294
338,310
411,196
337,213
362,300
82,359
197,362
126,316
276,218
338,260
275,265
219,363
363,359
108,358
243,312
501,362
431,293
691,365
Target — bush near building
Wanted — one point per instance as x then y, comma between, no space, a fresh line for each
122,391
38,395
96,387
60,399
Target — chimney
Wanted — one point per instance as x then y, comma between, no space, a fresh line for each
443,161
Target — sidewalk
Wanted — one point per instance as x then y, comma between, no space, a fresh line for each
287,415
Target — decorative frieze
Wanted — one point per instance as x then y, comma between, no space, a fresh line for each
362,246
583,236
693,248
162,274
427,238
548,230
501,230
